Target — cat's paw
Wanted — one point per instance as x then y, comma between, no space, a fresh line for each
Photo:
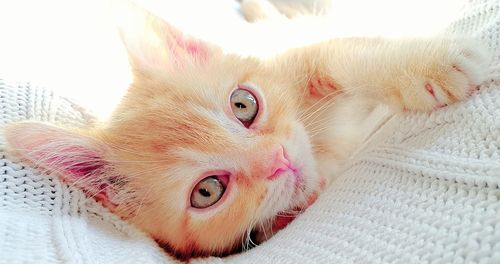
451,71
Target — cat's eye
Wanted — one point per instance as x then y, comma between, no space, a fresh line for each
244,106
207,192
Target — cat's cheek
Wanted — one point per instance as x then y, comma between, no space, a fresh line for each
300,152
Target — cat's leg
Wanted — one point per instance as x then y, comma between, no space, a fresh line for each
256,10
413,74
345,78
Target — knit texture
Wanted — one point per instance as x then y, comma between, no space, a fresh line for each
424,189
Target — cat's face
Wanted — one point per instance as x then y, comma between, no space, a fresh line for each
212,170
204,149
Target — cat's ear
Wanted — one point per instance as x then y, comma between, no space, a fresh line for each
77,159
153,43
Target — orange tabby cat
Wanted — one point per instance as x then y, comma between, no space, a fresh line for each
209,147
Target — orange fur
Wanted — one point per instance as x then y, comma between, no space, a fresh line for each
175,124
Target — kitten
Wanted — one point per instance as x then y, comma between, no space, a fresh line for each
207,147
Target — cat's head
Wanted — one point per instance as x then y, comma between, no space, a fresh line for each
205,148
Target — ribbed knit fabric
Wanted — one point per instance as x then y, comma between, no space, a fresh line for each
424,189
43,220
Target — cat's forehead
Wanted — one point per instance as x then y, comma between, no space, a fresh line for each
191,107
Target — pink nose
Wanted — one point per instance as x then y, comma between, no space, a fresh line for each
280,165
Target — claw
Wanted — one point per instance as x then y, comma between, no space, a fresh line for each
430,89
456,68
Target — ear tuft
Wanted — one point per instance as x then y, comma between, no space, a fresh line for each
152,43
77,159
55,148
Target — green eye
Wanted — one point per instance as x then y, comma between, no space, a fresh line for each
207,192
244,106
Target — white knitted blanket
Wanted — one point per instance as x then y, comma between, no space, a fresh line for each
426,188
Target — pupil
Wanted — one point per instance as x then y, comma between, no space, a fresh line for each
240,105
204,192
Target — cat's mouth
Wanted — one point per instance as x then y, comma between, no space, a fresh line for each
280,221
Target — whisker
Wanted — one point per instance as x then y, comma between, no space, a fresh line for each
323,101
333,95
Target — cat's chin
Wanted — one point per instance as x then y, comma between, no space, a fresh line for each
280,221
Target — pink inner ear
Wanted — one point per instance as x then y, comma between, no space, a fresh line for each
192,47
77,162
76,159
319,86
84,168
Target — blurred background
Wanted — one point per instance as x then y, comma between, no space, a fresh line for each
72,47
